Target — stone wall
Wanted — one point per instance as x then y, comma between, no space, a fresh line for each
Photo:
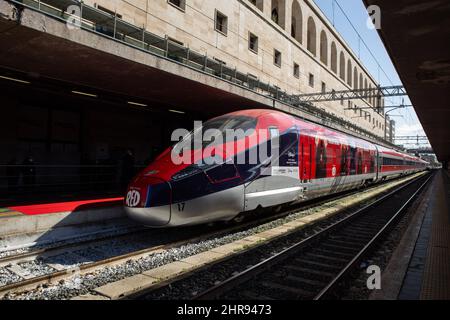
315,46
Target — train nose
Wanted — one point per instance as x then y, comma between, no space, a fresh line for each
149,202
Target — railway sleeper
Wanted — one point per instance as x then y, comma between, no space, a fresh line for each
315,264
350,237
341,248
360,231
334,253
310,271
326,259
288,292
347,243
300,283
307,283
251,295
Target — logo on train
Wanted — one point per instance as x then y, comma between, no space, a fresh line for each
133,198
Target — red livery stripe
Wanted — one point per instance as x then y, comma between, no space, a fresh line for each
51,208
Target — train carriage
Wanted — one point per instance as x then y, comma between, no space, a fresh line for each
224,178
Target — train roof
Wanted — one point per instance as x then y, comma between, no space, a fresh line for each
328,133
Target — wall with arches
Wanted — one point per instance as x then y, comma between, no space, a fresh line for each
296,29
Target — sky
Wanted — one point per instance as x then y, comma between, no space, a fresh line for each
407,122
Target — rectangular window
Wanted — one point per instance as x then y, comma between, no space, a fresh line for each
277,58
180,4
220,61
296,70
175,41
109,11
311,80
258,3
221,23
253,42
324,87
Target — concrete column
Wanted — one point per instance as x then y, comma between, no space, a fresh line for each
282,13
288,16
267,8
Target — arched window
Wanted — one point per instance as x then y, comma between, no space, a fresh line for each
323,47
278,12
259,4
375,99
349,72
361,84
275,15
355,78
342,66
297,22
312,34
333,57
366,86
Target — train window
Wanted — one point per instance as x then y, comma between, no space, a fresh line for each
231,128
222,173
393,162
274,132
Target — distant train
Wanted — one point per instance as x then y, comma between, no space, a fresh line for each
312,161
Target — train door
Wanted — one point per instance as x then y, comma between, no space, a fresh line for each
306,154
377,164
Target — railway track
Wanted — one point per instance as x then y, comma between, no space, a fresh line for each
316,267
56,263
32,269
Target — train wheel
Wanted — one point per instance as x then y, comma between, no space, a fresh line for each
277,209
239,218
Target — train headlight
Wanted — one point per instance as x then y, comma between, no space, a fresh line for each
186,173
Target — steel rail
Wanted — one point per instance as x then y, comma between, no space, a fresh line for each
349,267
89,267
27,256
250,273
96,265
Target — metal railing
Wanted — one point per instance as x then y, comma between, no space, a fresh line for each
113,27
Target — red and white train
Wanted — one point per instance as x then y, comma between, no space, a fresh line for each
312,161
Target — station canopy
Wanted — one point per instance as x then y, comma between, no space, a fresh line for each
416,34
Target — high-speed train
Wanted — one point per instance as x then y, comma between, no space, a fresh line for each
226,180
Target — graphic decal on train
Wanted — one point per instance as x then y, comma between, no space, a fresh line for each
276,159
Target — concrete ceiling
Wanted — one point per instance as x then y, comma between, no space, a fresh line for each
416,34
42,56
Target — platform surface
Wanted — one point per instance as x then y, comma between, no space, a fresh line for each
58,207
428,272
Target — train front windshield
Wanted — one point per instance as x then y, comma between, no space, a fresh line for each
229,127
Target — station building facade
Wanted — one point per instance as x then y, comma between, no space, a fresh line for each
78,142
288,43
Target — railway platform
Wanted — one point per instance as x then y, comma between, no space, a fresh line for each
36,224
420,266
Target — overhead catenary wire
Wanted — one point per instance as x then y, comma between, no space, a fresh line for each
360,38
